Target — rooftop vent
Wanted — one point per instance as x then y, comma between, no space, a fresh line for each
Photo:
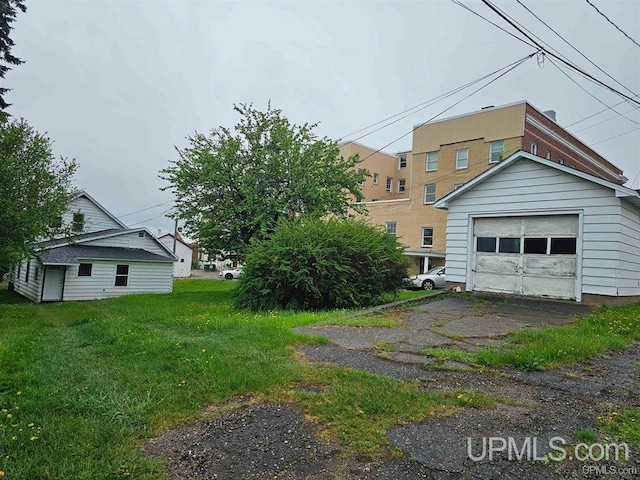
551,114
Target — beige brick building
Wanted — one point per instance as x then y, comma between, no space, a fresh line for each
447,153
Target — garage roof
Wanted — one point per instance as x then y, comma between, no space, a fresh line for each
75,254
630,195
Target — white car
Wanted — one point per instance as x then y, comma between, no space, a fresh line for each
230,274
434,278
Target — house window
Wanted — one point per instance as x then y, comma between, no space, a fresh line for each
534,149
361,172
19,268
432,161
496,151
486,244
548,155
509,245
57,222
122,275
389,184
36,271
561,160
427,236
402,185
462,158
402,161
376,178
26,273
391,228
429,193
84,269
78,222
141,234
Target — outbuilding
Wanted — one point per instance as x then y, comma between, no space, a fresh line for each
529,226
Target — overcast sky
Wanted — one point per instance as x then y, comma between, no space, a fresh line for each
118,84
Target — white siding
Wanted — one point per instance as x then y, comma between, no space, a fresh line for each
130,240
31,287
527,187
94,218
144,277
181,268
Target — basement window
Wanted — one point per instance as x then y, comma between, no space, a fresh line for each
122,275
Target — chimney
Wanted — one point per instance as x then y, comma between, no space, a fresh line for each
551,114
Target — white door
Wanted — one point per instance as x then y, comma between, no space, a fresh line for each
53,284
534,255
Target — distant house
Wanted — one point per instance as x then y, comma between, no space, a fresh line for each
184,252
102,258
531,226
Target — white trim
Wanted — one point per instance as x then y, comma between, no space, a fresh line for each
570,146
457,159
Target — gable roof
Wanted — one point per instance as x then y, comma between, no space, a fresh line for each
84,194
85,237
632,196
178,238
72,254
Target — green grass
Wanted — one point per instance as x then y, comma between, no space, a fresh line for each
531,349
622,424
358,407
82,383
450,355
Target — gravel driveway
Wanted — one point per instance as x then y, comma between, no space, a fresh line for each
273,441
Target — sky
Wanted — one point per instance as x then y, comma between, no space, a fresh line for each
120,84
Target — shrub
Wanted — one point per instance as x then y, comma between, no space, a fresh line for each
312,264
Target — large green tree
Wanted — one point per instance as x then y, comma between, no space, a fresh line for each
235,185
34,189
8,11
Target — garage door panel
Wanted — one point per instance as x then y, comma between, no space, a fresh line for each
493,282
550,266
551,225
499,227
557,287
502,264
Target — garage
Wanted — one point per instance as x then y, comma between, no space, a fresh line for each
533,255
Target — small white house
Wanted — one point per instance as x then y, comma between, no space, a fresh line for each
103,258
530,226
184,252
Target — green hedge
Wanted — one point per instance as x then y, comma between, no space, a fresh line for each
314,264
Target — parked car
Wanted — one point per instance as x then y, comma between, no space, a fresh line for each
434,278
230,274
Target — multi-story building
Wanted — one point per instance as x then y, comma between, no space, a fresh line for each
447,153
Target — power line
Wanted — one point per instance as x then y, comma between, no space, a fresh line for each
603,121
593,115
572,46
619,29
615,136
508,68
153,218
145,209
551,54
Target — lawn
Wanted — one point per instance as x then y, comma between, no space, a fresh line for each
82,385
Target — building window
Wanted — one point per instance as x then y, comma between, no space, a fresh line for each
35,274
78,222
26,273
563,246
534,149
535,245
57,223
548,155
402,185
432,161
19,268
364,179
376,178
389,184
486,244
462,158
84,269
141,234
561,160
427,236
122,275
429,193
402,161
496,151
391,228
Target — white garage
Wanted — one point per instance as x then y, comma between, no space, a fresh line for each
529,226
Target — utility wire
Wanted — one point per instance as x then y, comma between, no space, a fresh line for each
549,53
615,136
145,209
572,46
593,115
619,29
591,94
153,218
603,121
508,68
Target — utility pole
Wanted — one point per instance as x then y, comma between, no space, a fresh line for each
175,236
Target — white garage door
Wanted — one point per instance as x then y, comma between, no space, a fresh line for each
526,255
